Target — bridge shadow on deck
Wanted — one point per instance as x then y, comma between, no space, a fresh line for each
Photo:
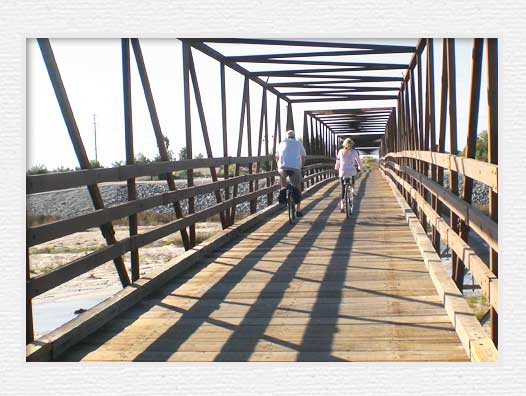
285,274
252,328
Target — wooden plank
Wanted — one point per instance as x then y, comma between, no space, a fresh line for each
477,345
295,288
477,170
64,180
58,341
60,228
480,271
45,282
483,225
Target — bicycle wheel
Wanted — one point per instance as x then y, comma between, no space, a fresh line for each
347,203
351,200
292,207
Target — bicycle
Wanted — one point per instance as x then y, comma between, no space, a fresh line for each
349,197
290,198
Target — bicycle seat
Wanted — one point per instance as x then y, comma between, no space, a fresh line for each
347,180
289,172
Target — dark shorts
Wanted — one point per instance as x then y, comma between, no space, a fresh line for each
295,176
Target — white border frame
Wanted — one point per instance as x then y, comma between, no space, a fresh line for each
272,18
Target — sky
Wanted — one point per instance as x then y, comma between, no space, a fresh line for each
91,70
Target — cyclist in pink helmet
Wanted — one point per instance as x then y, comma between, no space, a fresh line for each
348,164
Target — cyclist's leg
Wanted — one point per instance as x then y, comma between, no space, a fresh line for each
283,178
295,180
283,182
342,200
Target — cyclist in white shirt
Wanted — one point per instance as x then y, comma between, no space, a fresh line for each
290,156
348,164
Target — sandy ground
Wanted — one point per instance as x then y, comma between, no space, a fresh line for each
63,303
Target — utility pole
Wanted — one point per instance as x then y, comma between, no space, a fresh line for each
95,132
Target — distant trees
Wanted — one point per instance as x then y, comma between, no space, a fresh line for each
95,164
39,169
140,158
183,153
481,147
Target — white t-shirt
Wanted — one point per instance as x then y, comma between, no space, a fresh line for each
346,162
290,152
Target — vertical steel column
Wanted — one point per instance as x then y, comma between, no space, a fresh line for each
225,135
204,129
277,122
253,203
268,164
471,141
432,123
442,133
30,332
76,140
493,157
130,156
260,134
239,146
157,129
188,128
453,177
290,118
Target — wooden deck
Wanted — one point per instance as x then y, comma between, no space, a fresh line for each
324,289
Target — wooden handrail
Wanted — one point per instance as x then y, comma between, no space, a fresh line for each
86,177
485,227
47,232
36,235
481,171
484,277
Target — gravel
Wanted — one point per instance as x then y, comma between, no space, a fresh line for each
74,202
480,195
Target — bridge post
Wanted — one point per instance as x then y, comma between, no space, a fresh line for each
253,202
130,155
30,333
290,118
225,137
277,132
442,132
453,177
78,146
204,129
432,125
157,129
471,141
188,133
239,145
493,111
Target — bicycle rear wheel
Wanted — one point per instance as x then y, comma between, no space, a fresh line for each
292,207
347,201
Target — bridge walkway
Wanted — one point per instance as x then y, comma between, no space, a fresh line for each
324,289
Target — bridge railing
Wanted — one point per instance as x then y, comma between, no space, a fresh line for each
413,155
411,181
258,167
227,200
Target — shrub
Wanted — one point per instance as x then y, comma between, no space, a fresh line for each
39,169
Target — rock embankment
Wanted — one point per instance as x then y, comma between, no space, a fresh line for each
74,202
480,195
